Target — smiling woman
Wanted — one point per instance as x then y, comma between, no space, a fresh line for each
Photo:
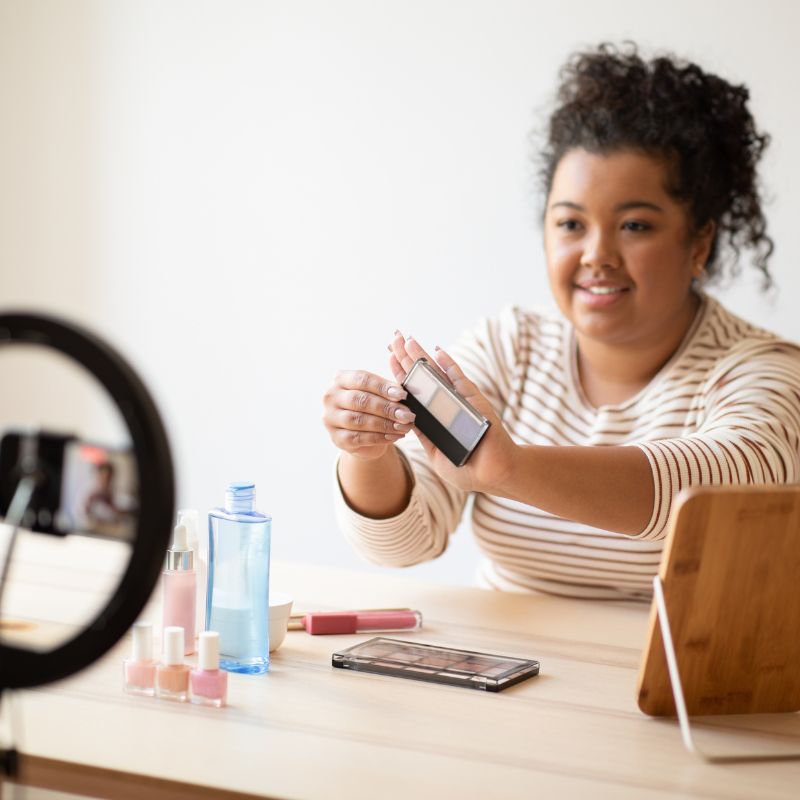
643,386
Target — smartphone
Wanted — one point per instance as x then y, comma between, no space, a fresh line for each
82,487
426,662
453,425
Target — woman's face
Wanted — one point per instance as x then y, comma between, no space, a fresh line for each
620,256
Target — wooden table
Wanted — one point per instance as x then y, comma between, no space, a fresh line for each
307,730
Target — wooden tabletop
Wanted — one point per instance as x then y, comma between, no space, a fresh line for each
307,730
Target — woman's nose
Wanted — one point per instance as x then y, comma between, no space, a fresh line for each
600,252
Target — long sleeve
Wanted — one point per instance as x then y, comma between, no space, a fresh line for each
749,431
421,531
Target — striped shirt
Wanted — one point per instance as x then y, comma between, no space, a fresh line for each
724,409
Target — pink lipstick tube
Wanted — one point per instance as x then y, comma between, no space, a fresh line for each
324,622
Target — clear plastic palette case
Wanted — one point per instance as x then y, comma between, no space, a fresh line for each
425,662
453,425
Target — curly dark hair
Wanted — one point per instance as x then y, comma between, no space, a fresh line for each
610,98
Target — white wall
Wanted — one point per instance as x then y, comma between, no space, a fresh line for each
247,196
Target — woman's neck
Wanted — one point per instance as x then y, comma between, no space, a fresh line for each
611,373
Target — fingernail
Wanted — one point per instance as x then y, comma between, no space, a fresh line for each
404,415
392,437
397,333
389,348
437,347
399,426
396,394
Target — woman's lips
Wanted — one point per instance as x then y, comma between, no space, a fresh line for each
601,296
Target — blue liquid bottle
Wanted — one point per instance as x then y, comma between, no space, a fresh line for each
237,602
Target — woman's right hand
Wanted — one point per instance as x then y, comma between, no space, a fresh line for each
363,414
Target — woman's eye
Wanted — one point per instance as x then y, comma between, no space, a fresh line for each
636,226
568,224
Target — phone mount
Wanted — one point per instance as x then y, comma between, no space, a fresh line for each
21,668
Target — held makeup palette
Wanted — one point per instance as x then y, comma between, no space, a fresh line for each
425,662
442,414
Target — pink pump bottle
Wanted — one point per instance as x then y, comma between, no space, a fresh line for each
180,588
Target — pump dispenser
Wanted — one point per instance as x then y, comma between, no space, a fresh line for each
190,517
180,588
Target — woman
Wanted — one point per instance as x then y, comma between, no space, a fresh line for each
645,386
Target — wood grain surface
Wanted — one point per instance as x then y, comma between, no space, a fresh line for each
731,573
307,730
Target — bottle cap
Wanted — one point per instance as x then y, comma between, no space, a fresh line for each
209,650
173,645
143,641
179,555
240,497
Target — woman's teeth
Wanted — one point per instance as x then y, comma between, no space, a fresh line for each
603,289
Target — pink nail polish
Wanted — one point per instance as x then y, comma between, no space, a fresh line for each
209,682
172,675
139,671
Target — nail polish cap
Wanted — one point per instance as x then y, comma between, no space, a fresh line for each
143,641
173,645
179,556
209,650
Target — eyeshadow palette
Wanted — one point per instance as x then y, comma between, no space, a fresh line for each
442,414
425,662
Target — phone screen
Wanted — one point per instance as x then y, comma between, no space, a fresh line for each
82,487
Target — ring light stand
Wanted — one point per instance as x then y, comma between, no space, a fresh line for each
20,668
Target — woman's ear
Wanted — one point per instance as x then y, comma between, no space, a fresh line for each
701,247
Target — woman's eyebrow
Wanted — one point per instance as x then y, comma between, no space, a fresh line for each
626,206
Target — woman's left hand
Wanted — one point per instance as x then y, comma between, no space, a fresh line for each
492,461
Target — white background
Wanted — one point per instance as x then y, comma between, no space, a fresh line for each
247,196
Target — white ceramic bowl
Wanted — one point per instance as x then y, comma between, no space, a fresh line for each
280,607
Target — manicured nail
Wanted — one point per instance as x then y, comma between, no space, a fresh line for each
396,394
404,415
437,347
392,437
399,426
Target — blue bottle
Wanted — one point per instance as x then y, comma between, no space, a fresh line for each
237,602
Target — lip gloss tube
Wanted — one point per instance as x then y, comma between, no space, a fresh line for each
324,622
172,676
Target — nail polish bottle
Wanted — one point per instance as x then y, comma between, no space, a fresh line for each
139,671
180,588
172,675
209,682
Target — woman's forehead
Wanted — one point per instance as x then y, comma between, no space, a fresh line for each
615,178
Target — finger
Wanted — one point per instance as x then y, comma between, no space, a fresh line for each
394,366
416,351
398,346
352,440
369,404
368,382
360,421
461,383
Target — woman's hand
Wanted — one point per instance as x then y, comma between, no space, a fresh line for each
493,460
363,415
